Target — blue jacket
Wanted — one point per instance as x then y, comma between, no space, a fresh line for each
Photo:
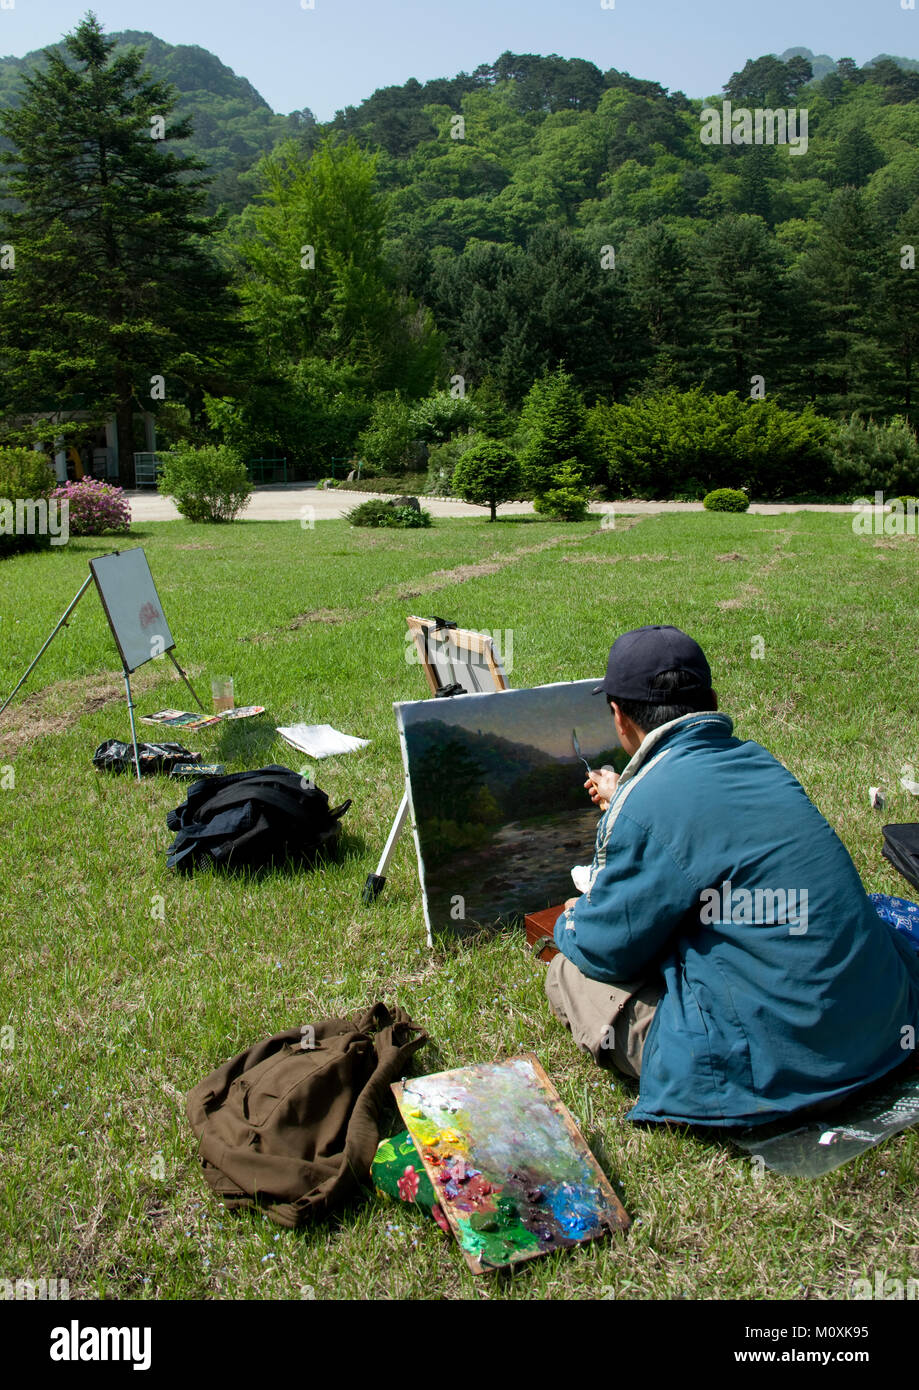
783,986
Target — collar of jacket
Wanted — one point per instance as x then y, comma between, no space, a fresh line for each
652,741
652,749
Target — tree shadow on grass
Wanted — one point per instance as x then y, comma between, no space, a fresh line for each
245,739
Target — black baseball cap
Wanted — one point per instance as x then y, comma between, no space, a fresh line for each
637,657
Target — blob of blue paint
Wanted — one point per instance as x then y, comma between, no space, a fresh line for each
575,1209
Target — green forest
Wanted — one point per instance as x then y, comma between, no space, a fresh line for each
538,253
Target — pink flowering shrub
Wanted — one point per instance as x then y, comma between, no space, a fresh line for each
95,507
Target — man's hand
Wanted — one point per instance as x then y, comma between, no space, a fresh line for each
601,785
570,902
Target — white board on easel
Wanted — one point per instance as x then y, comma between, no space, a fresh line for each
132,606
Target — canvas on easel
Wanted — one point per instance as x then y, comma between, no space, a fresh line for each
496,790
132,606
456,661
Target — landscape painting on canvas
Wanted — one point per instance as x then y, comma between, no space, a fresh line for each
498,801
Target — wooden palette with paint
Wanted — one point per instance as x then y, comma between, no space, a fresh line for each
510,1168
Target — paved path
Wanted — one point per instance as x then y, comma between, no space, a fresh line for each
287,502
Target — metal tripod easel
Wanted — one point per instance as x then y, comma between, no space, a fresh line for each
63,622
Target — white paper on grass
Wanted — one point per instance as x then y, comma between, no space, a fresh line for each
321,740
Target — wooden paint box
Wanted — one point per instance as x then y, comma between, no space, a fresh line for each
539,927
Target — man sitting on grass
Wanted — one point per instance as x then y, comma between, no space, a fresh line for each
725,951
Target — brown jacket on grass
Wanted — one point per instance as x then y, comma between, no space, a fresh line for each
291,1125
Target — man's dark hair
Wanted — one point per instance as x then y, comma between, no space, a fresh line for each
648,716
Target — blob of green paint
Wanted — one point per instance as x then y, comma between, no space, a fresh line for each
497,1247
496,1234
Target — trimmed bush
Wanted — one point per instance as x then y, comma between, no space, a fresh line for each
487,474
209,483
95,507
726,499
868,457
25,476
437,418
567,499
376,512
680,440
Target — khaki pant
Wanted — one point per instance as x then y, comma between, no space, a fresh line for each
610,1022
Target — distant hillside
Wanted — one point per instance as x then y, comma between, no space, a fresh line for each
399,118
823,64
510,192
233,124
907,64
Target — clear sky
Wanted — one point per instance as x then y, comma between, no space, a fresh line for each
341,50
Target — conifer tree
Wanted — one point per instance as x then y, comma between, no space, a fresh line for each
857,157
898,319
557,434
741,293
114,301
661,293
844,273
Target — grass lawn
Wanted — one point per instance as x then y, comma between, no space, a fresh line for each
124,985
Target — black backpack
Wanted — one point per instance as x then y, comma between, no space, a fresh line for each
251,820
901,848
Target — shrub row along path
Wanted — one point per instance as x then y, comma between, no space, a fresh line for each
285,502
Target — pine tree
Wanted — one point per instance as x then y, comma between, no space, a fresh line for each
113,287
758,166
844,274
554,424
857,157
849,71
898,319
657,281
740,269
